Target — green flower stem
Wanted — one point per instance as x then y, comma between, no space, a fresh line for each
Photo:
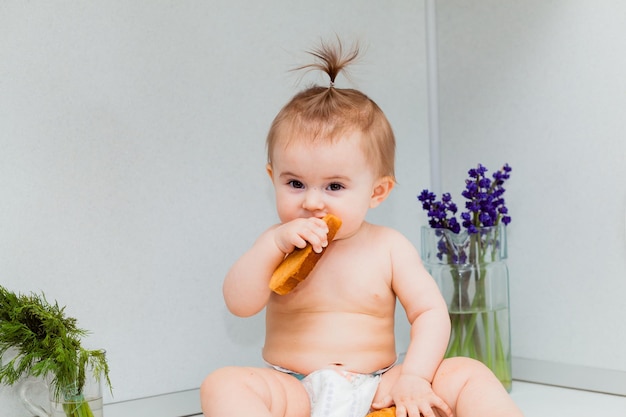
78,408
466,338
458,304
478,304
501,368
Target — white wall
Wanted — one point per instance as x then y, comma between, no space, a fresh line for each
132,160
541,85
132,155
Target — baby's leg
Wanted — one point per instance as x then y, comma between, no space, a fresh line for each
468,387
472,390
259,392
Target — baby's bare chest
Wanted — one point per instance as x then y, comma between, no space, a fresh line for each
346,278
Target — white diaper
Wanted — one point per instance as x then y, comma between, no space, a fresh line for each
337,393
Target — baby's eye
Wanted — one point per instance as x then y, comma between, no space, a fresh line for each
335,187
295,184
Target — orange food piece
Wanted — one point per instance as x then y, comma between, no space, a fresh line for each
298,264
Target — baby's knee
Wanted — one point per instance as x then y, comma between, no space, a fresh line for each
253,389
219,379
463,363
461,370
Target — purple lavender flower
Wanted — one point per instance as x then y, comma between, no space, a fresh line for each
485,205
440,213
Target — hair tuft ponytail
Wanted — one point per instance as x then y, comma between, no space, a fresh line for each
331,59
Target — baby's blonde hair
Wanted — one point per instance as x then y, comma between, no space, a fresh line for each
328,113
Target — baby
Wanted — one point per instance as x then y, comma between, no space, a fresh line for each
330,345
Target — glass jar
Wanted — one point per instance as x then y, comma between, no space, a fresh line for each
473,277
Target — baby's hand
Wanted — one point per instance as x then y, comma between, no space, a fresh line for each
413,396
297,233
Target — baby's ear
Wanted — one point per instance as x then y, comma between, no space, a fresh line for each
382,188
269,170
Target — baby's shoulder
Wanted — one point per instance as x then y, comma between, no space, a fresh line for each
388,235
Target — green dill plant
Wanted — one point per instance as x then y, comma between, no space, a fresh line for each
47,344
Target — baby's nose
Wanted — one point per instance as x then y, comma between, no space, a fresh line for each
313,200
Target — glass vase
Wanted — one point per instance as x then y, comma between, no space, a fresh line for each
472,274
79,399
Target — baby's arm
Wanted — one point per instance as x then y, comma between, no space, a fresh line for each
245,288
430,331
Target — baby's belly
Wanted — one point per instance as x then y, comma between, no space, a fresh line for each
307,341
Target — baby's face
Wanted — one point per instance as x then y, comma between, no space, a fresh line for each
315,179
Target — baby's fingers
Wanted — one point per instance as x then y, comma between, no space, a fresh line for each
423,408
427,409
443,406
412,410
316,234
301,232
386,402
